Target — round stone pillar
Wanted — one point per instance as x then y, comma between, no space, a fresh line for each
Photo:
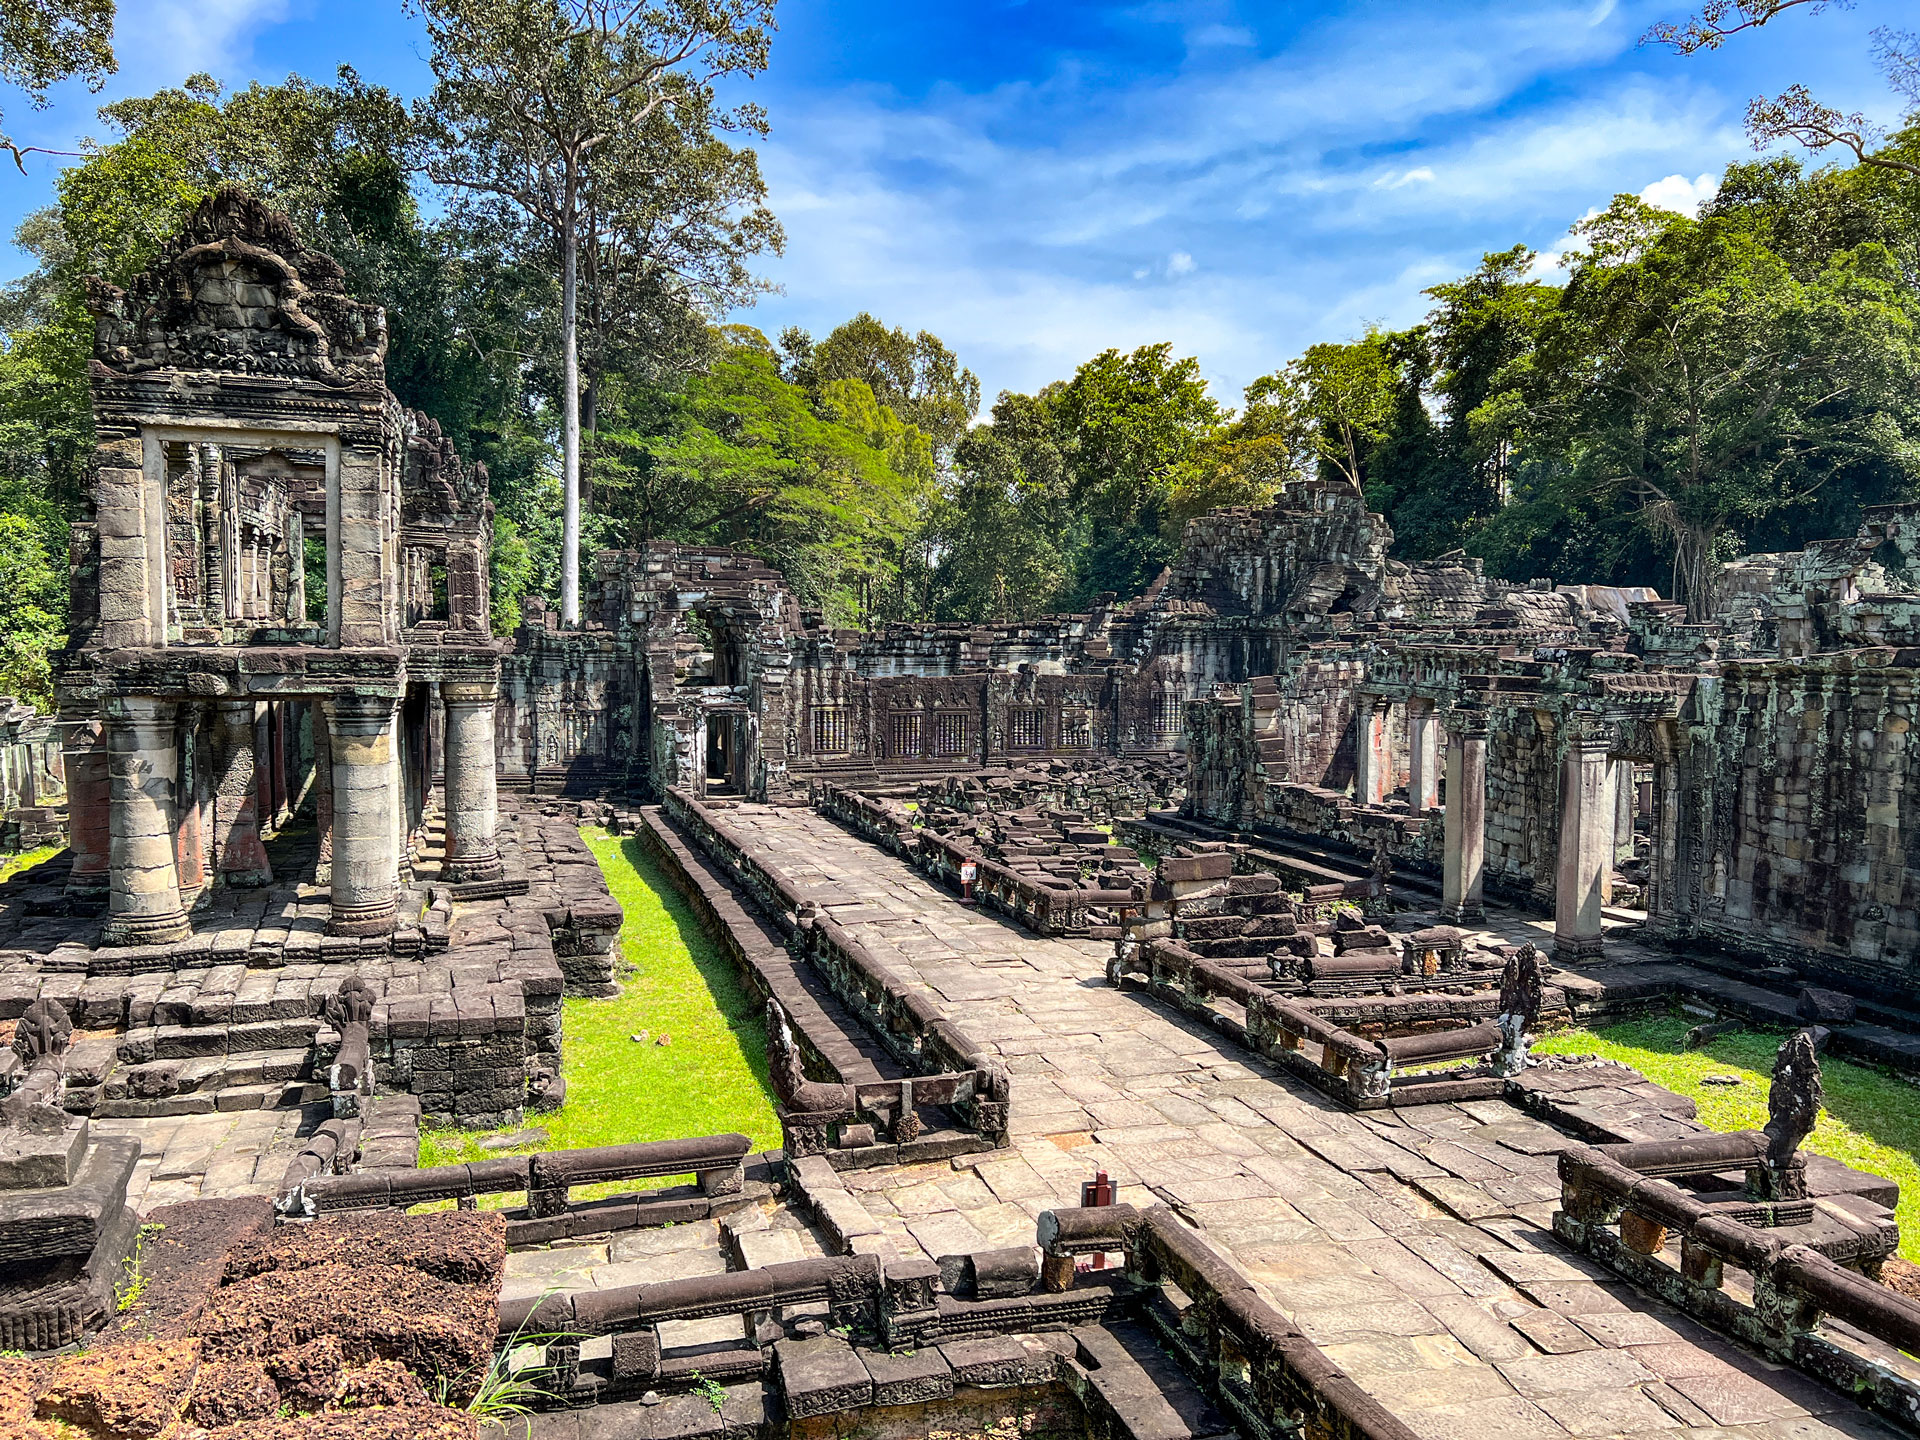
85,759
143,903
366,864
473,802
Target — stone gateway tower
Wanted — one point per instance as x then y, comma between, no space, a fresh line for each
279,587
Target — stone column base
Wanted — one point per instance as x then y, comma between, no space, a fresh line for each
146,929
375,918
1574,952
467,869
1462,914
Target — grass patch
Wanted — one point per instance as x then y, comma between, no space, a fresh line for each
712,1076
1871,1122
12,865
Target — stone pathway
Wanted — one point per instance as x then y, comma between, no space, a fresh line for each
204,1157
1413,1246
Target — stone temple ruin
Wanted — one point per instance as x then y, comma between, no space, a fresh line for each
1153,996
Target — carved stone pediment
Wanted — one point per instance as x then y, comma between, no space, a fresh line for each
237,291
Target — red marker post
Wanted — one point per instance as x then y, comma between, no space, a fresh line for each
1097,1191
968,869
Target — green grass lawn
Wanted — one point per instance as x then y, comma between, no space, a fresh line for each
1872,1119
709,1079
12,865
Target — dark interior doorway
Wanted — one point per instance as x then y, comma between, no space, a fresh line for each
723,755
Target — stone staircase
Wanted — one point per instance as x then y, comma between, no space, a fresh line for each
193,1042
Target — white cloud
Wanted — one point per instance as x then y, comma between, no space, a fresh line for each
1327,184
1676,192
161,42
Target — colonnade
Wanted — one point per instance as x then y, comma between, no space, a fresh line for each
1597,800
135,805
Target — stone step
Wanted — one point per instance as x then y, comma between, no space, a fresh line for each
286,1095
241,1080
186,1042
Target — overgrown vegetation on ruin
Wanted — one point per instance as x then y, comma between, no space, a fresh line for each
1872,1119
701,1068
1684,389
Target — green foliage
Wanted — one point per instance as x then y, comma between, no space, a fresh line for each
711,1391
31,622
915,376
46,41
831,486
1130,427
133,1283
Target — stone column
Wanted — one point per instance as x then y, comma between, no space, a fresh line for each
1465,833
322,793
1623,798
189,855
277,767
1586,848
1663,890
366,864
473,807
1423,775
87,807
143,906
240,858
1369,750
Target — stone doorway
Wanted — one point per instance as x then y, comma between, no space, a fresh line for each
724,754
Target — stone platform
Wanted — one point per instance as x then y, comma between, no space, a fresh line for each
1413,1245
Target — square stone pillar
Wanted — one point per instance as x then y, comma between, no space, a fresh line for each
366,859
1423,771
85,757
143,901
322,793
239,856
1370,762
1464,836
1586,848
189,851
1623,799
473,805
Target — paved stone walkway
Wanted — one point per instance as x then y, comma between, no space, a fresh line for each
1413,1246
203,1157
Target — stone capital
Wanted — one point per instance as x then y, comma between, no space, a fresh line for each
470,692
359,714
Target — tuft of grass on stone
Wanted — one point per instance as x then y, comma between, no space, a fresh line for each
711,1076
1871,1122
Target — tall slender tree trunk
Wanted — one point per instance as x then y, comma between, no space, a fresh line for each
570,401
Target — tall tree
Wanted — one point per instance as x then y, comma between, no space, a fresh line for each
46,41
1691,372
527,95
1131,426
1349,396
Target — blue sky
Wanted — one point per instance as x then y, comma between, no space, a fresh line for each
1038,181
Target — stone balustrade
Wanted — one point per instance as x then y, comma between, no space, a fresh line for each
1356,1070
1765,1270
717,1162
1042,908
948,1068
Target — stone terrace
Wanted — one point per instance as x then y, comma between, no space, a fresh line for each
1413,1245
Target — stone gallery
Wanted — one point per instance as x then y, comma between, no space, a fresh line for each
1152,995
